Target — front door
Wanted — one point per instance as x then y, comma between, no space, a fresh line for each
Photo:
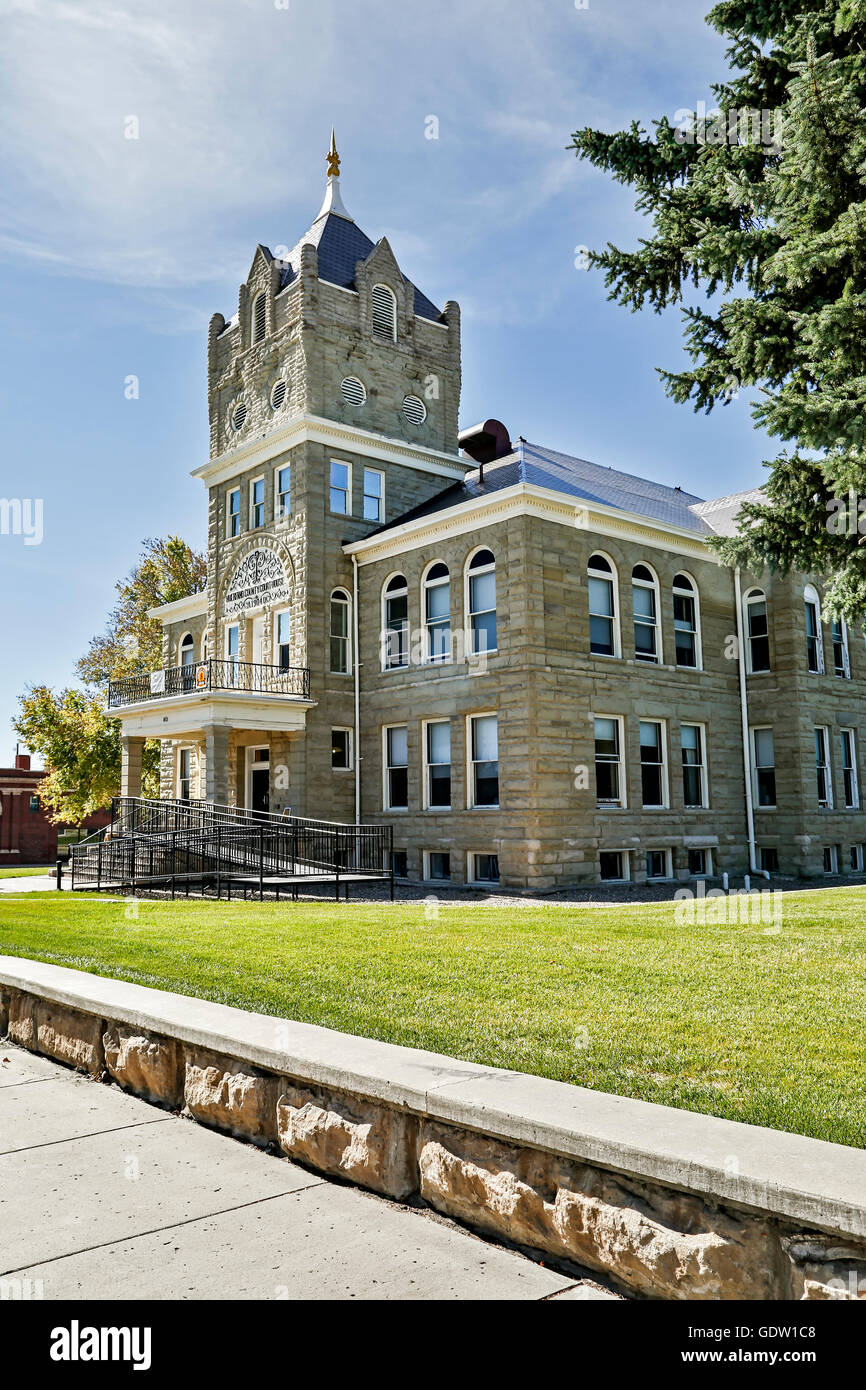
258,779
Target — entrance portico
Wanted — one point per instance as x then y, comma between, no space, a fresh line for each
220,741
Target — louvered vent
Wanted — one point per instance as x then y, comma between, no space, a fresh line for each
278,395
414,410
384,313
259,318
239,414
354,391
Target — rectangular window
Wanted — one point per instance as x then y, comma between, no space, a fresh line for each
814,654
34,803
857,859
768,858
395,636
282,642
438,865
841,666
609,772
341,488
400,863
758,634
602,617
849,769
613,865
482,605
232,636
282,490
652,763
484,773
234,512
374,495
438,757
764,763
822,768
341,749
397,768
645,621
339,633
257,503
484,868
700,863
658,863
694,767
184,773
831,859
685,628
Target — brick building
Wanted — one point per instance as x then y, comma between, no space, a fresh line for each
26,834
527,663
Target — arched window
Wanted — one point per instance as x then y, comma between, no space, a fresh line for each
187,661
757,631
645,598
603,615
437,612
384,313
258,318
395,623
687,633
339,633
841,662
814,638
481,574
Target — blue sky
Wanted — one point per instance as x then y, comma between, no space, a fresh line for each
114,252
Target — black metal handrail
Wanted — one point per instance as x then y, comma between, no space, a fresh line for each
162,843
199,677
137,815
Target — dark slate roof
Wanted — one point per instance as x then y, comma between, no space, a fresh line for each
340,245
574,478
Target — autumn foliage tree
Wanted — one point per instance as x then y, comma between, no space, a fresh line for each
71,729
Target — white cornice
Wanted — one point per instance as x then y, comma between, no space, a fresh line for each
300,429
193,606
527,499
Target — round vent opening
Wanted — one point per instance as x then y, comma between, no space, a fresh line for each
278,394
354,391
414,410
239,414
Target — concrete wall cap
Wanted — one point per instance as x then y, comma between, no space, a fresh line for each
808,1181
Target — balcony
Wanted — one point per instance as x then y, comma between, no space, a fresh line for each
204,678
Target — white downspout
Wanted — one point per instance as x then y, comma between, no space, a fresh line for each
356,671
744,719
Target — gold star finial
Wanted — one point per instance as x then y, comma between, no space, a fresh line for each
333,158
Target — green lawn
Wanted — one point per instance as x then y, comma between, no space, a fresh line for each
755,1022
26,873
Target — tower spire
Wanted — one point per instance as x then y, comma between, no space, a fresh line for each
333,201
333,158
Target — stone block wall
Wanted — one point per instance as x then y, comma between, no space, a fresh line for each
654,1238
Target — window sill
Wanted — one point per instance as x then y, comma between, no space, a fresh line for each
497,807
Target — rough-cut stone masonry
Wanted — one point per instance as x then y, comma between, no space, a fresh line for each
652,1236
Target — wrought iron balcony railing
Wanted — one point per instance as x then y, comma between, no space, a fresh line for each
202,676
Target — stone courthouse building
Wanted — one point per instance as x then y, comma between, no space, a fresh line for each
532,666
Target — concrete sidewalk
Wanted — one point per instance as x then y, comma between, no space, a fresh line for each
105,1196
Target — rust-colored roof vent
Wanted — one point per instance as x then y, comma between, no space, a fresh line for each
486,442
